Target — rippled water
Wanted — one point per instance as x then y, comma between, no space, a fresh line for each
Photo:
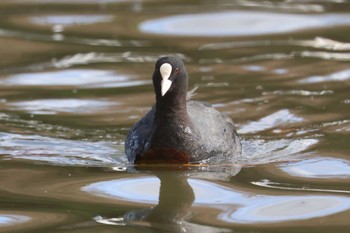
75,75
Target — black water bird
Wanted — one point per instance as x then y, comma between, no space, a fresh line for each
179,130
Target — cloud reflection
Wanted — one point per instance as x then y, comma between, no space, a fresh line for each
250,23
317,42
342,75
179,196
273,120
12,219
269,209
55,106
59,151
319,168
83,78
67,20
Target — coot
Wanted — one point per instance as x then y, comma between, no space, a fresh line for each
178,130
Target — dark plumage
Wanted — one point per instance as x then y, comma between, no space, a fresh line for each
177,130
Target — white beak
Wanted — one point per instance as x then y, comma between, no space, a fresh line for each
165,72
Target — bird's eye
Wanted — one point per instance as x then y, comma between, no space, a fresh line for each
177,70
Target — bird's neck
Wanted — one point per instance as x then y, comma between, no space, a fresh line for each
171,107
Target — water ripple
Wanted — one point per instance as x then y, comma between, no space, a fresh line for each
146,190
286,186
12,219
267,56
299,92
59,151
285,5
333,77
72,1
235,206
273,120
18,220
55,106
83,78
322,43
263,151
286,56
250,23
92,58
318,42
319,168
58,37
286,208
324,55
66,20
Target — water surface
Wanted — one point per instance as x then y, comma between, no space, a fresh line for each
75,75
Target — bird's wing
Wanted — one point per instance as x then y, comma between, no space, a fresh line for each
216,130
139,135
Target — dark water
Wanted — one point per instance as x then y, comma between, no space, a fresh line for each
75,75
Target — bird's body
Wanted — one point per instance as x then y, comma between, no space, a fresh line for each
177,130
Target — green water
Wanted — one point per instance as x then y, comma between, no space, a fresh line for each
76,75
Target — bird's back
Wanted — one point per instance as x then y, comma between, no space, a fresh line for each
217,133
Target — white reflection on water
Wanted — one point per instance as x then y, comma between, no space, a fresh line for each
299,92
236,206
90,58
146,190
287,186
286,208
284,56
55,150
239,23
283,5
317,42
54,106
72,1
85,78
69,39
324,55
12,219
323,43
273,120
319,168
67,20
59,151
261,151
337,76
143,190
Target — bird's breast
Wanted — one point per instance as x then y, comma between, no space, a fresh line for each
163,156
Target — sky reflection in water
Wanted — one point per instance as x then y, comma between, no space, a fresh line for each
236,206
239,23
74,77
12,219
279,68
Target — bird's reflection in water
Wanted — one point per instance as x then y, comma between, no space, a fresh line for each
173,213
174,206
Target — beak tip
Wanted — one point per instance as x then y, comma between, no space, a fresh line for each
165,86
